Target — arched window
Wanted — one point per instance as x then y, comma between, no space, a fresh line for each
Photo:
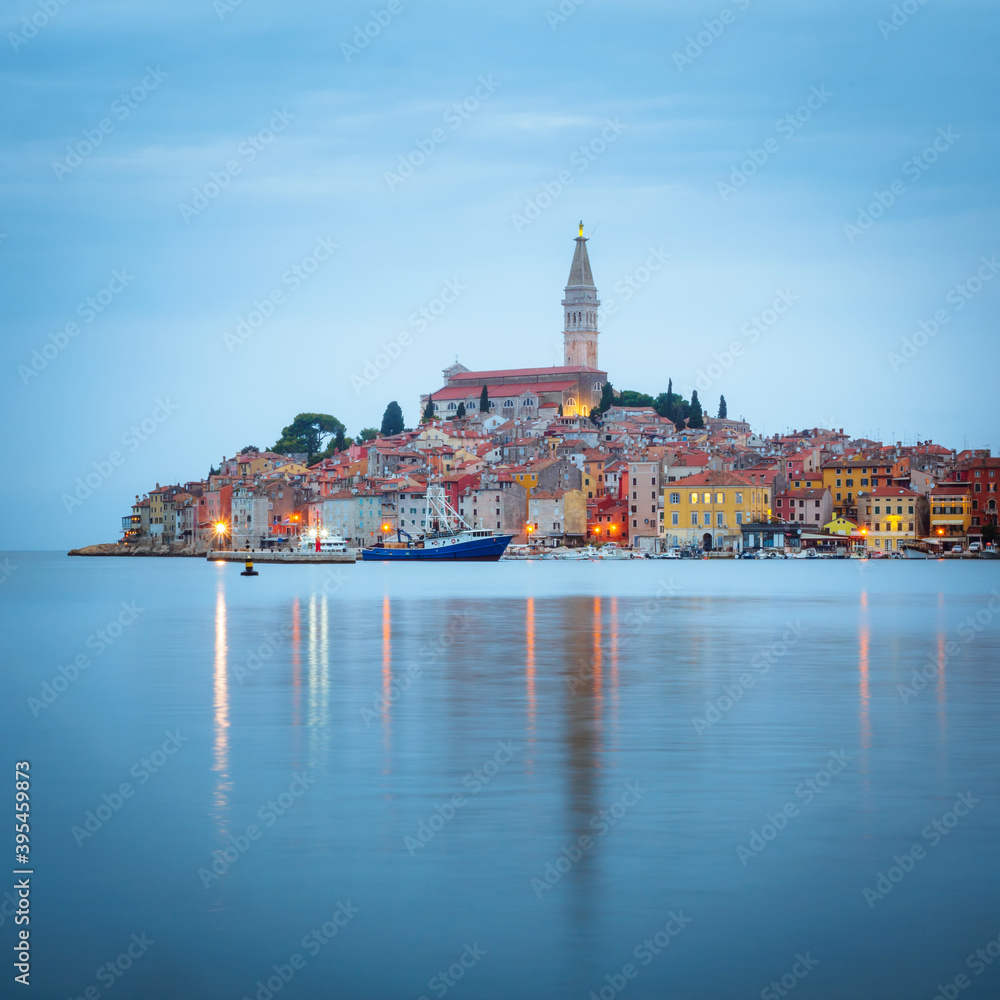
452,406
508,402
471,404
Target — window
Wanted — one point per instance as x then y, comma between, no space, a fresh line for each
718,519
838,482
909,526
739,498
708,519
675,498
838,496
878,527
706,498
878,509
779,502
653,495
720,498
694,498
694,517
910,510
739,517
850,482
864,482
652,481
633,508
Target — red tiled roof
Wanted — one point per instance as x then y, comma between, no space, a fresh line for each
511,389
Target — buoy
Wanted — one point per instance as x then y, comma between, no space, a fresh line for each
249,571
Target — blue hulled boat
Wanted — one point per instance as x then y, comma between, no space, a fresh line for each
449,538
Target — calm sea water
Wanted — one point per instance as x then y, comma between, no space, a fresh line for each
655,779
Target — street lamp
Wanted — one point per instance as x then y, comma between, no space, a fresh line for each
220,532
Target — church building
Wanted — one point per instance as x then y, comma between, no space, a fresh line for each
529,392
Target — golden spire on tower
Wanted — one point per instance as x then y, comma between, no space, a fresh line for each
581,227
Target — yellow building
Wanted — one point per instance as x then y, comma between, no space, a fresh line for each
710,509
951,511
892,516
845,478
841,525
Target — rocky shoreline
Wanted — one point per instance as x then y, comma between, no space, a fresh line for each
114,549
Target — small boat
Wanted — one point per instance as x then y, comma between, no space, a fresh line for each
989,551
610,550
450,538
916,550
321,541
575,555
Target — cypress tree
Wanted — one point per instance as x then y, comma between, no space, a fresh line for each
722,408
484,401
428,410
460,412
696,419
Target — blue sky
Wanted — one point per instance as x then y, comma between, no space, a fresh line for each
486,211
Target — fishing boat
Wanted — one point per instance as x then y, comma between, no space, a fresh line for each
449,538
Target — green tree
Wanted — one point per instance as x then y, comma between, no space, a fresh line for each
392,420
630,397
249,447
428,410
722,408
484,401
696,419
367,434
460,412
607,401
338,442
307,432
560,410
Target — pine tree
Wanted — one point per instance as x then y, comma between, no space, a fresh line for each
460,412
484,401
338,443
696,419
722,408
392,420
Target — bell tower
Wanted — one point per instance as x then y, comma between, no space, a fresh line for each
580,310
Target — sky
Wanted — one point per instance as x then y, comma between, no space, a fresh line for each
217,215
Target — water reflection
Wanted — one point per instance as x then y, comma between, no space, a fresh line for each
220,684
318,658
529,663
386,681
